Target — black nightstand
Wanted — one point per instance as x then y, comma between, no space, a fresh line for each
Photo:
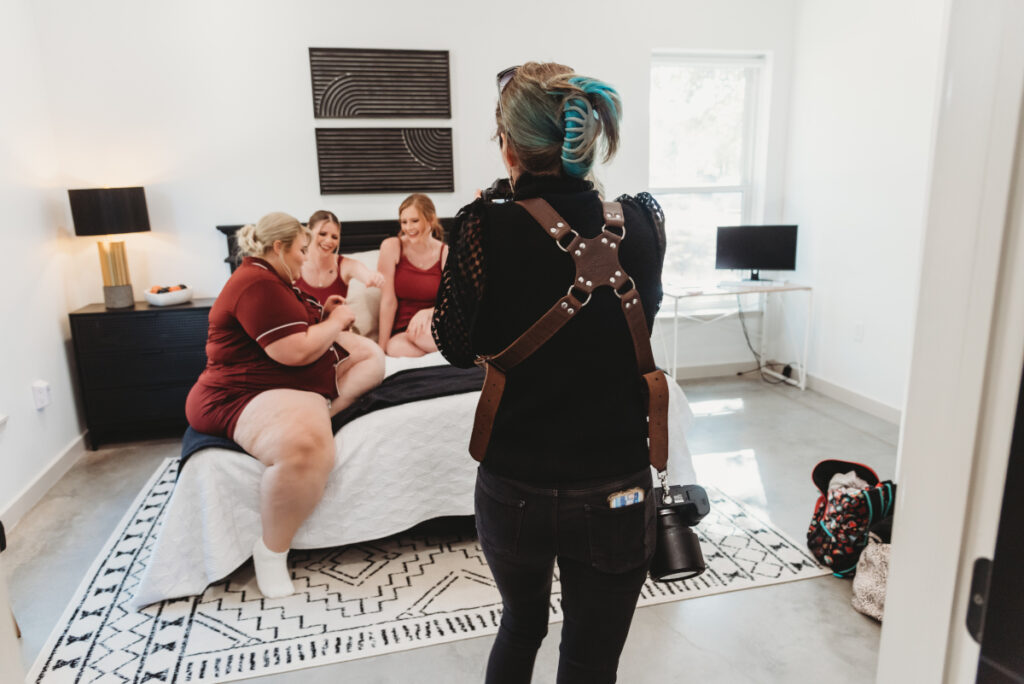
136,366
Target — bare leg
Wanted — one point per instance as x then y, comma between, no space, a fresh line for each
403,345
361,372
424,341
289,431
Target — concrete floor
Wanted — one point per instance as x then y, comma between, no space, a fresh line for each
754,441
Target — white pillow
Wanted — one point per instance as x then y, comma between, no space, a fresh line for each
365,301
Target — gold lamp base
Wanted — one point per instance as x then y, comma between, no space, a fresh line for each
117,286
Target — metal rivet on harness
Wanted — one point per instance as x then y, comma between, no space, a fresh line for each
600,267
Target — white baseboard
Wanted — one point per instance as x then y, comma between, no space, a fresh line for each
874,407
715,370
35,490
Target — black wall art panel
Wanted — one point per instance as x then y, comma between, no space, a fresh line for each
354,160
350,83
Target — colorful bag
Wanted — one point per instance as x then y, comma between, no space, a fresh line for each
842,516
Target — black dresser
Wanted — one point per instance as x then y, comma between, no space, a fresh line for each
136,366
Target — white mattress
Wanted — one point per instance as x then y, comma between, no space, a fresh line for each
395,468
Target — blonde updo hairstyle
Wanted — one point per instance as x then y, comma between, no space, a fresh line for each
425,206
259,238
558,122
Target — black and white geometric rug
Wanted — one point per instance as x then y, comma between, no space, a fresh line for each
367,599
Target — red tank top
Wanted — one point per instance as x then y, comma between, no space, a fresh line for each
336,286
415,289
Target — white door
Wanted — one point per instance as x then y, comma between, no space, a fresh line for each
968,350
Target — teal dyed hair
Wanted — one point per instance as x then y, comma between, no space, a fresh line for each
555,119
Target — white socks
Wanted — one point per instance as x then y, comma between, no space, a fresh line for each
272,575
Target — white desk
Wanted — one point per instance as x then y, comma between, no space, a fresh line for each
679,292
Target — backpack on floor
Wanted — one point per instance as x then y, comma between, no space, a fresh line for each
843,515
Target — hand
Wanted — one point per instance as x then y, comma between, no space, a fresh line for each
332,302
341,313
479,194
376,279
420,322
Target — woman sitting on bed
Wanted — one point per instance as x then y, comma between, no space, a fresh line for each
411,264
278,367
326,272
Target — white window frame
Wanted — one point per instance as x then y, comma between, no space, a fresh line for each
754,154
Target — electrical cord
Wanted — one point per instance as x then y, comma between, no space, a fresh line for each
757,357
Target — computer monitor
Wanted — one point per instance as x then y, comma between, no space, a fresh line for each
758,248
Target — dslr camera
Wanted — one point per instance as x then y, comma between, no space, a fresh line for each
677,554
499,191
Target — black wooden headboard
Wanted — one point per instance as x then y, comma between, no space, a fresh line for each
356,236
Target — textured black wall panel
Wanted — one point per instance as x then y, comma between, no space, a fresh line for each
361,160
354,83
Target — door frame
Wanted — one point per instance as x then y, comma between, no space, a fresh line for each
967,353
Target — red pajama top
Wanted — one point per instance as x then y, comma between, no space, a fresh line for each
255,308
415,289
336,286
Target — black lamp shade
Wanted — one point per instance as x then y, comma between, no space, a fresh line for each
106,211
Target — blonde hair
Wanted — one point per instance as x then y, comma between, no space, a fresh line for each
557,121
259,238
426,208
323,215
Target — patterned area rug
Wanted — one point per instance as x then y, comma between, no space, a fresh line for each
412,590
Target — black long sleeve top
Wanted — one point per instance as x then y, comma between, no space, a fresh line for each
575,410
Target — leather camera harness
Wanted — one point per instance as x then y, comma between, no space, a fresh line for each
597,265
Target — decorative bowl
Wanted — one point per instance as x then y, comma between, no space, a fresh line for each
169,298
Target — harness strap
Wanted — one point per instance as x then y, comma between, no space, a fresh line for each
597,265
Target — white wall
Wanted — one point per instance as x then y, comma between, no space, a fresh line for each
35,264
209,106
860,135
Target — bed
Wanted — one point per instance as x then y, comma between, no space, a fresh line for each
395,467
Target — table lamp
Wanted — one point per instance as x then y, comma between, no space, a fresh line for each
110,211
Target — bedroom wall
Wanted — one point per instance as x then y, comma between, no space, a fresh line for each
857,167
208,105
32,279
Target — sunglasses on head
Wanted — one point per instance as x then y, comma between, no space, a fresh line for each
504,76
503,79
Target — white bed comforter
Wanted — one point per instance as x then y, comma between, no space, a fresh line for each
395,468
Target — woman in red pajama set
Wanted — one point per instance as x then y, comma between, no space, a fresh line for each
278,368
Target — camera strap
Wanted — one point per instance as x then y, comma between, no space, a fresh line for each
597,265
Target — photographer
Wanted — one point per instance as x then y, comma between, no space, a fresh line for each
564,473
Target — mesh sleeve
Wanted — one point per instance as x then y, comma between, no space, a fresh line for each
649,207
462,289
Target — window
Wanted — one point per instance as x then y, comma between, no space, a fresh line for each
707,116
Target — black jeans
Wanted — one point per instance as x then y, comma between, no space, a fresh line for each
602,554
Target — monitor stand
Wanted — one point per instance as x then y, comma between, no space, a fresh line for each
755,277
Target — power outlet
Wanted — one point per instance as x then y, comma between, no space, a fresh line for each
41,394
3,419
858,331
